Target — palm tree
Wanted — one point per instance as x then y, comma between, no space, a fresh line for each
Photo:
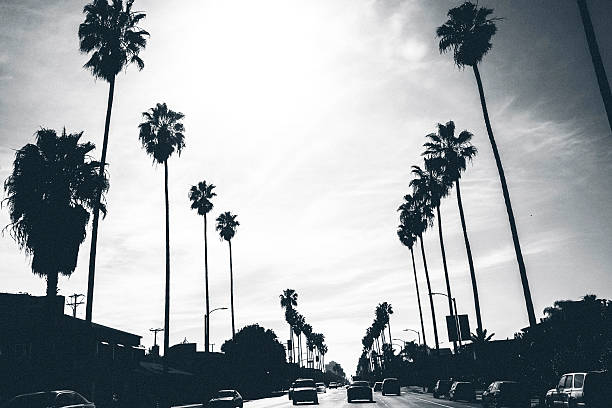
50,193
111,33
407,238
200,196
468,32
449,154
432,186
300,321
226,225
307,330
388,312
162,134
600,72
288,300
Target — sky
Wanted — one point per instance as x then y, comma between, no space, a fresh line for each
308,115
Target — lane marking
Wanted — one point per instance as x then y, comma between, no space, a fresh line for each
442,405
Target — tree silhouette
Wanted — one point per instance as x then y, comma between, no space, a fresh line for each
162,134
449,154
111,34
53,186
226,225
288,300
200,196
468,32
300,321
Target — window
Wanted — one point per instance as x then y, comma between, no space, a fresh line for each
64,399
562,382
578,380
568,381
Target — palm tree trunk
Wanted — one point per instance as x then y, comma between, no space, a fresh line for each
469,256
448,288
390,339
167,304
416,285
431,304
600,72
502,179
96,209
207,322
232,289
52,286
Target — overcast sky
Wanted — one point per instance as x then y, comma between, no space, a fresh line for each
307,115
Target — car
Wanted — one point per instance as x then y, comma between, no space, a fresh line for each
304,390
391,386
442,387
333,385
226,399
50,399
462,391
359,390
378,386
505,394
587,389
321,387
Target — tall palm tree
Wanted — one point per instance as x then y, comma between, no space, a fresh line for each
200,196
288,300
389,312
50,193
300,321
111,34
600,71
162,134
307,330
468,32
226,225
431,186
407,238
449,154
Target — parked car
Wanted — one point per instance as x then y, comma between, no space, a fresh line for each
226,399
505,394
588,389
442,387
378,386
321,387
304,390
391,386
462,391
359,390
50,399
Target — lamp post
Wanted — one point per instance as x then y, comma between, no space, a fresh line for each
417,332
454,315
207,321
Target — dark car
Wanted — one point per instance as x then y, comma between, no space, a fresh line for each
321,387
390,386
359,390
588,389
462,391
226,399
50,399
378,386
304,390
442,387
333,385
505,394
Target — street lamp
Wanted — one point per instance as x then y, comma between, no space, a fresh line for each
417,332
207,319
455,315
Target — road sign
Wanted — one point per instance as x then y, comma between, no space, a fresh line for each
464,327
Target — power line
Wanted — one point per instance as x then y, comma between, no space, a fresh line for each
75,302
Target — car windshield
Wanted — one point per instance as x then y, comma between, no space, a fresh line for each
361,384
304,383
32,400
463,386
510,387
320,385
390,380
225,394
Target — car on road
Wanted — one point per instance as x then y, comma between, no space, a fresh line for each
50,399
359,390
226,399
378,386
321,387
505,394
391,386
442,387
587,389
304,390
332,385
462,391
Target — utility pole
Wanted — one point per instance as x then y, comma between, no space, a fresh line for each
155,331
75,302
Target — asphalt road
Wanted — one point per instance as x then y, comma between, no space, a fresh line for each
336,398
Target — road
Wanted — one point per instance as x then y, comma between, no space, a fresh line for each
336,398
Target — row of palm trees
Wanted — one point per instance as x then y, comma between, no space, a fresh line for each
315,342
374,340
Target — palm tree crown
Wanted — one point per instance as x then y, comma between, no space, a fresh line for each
430,185
288,299
162,133
111,32
226,225
53,185
201,196
468,32
447,153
